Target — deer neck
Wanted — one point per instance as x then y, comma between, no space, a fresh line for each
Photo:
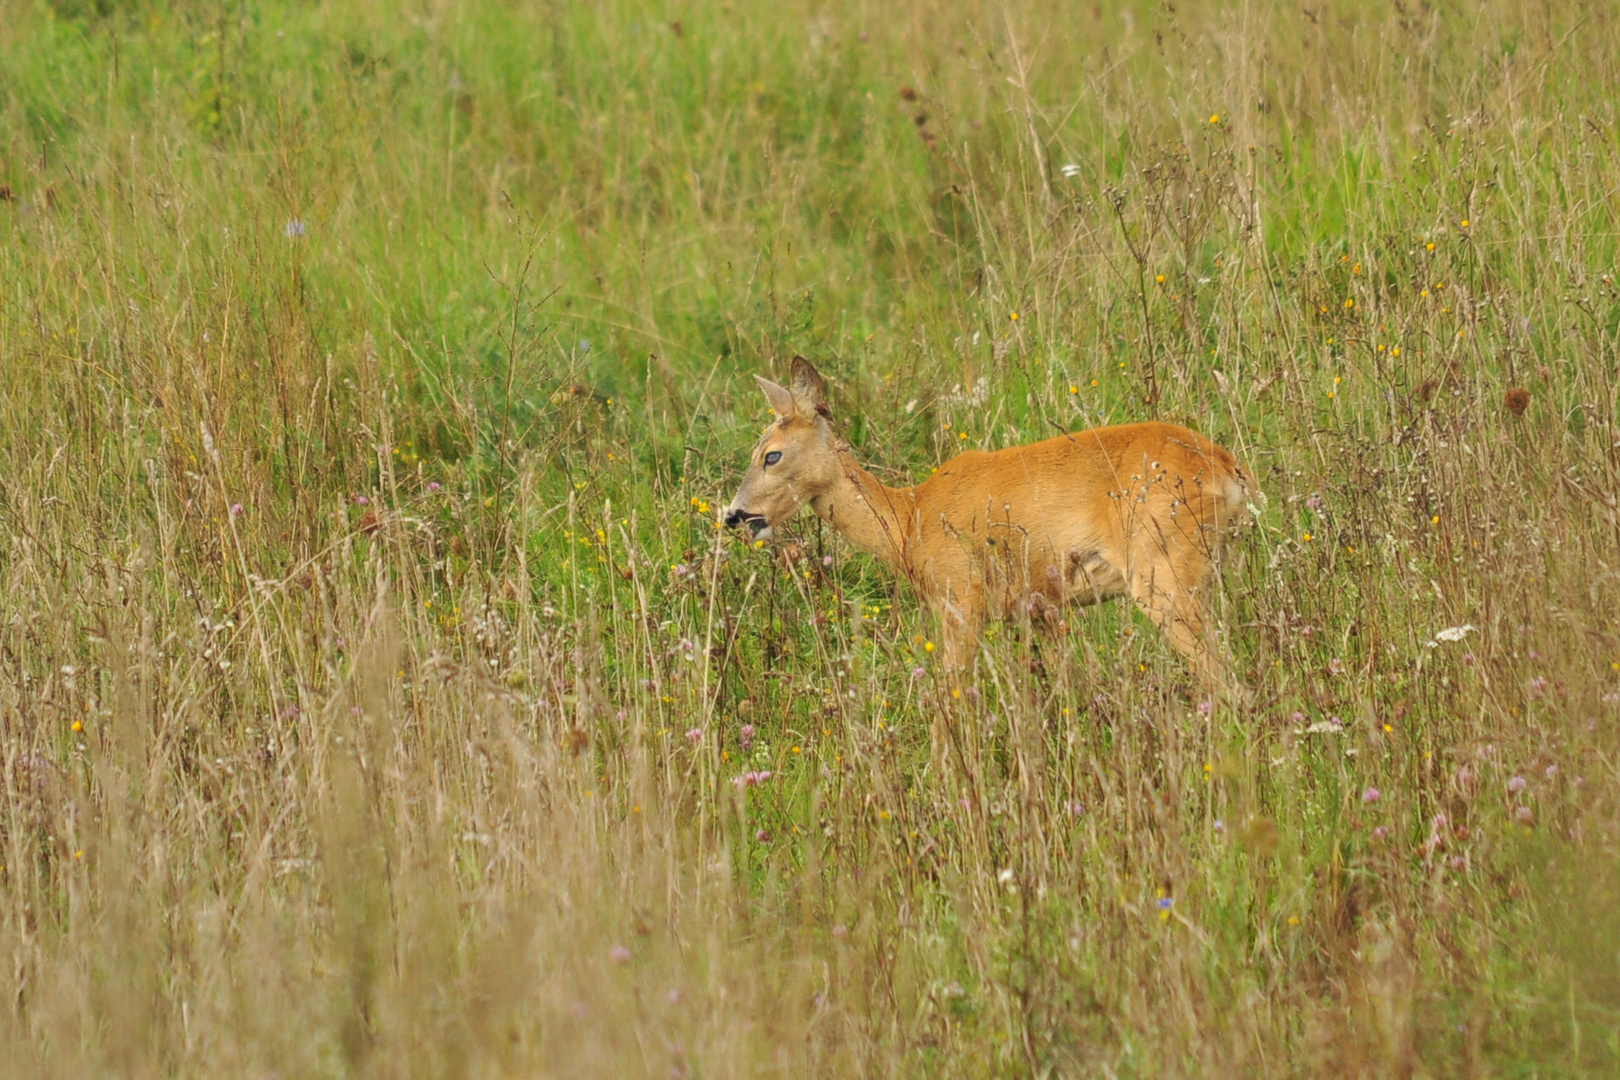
868,513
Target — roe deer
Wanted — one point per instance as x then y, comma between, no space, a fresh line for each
1136,510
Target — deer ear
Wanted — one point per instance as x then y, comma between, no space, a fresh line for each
809,396
779,397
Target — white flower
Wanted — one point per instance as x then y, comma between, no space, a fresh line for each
1070,170
1455,633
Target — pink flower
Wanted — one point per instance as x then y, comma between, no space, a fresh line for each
1380,832
433,485
695,735
236,509
1518,784
747,736
1371,795
619,954
1539,683
362,500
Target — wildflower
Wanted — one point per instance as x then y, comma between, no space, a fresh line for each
840,931
750,779
1313,501
917,673
433,485
619,954
1214,118
1458,862
762,837
1204,707
1076,807
1219,825
1380,832
78,725
236,509
928,646
1525,814
826,560
1454,633
1165,904
747,736
1552,772
695,735
362,500
295,229
1371,795
1518,784
1538,684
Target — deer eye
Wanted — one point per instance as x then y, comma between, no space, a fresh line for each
773,457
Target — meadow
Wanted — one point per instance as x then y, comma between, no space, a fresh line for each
381,698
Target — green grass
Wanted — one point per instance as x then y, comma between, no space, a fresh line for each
375,673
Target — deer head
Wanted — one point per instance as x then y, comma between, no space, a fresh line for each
797,458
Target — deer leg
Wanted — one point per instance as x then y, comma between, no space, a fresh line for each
1182,615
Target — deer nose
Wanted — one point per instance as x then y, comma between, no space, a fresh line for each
736,518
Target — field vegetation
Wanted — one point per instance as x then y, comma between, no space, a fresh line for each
380,697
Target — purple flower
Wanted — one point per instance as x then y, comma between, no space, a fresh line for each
750,779
1552,772
619,954
1076,807
1204,707
917,673
1371,795
1219,825
826,560
1313,501
1539,683
1524,813
1518,784
361,499
295,228
747,736
433,485
1166,903
695,735
236,509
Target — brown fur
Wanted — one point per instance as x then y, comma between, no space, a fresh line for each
1137,510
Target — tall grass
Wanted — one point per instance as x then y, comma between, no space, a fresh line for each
381,699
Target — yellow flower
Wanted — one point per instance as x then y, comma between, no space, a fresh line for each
78,725
1435,520
1465,223
1348,304
1307,538
1076,389
928,646
1214,118
1160,279
1015,316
